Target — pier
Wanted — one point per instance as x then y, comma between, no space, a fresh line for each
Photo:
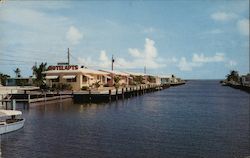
87,96
115,94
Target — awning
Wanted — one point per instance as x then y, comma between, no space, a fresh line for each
108,77
9,113
89,76
51,77
69,76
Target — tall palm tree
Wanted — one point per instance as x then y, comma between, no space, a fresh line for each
37,71
17,71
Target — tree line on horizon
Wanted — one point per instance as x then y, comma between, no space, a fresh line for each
37,71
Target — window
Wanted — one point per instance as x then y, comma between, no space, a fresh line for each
84,79
71,79
55,80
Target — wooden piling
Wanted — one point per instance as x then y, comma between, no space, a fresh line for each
130,89
110,95
89,95
122,93
116,94
28,98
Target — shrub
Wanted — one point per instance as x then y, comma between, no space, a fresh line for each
84,88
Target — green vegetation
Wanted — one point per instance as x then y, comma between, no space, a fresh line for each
97,84
40,77
84,88
61,87
233,76
3,78
138,80
151,79
116,80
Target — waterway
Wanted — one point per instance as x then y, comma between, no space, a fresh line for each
201,119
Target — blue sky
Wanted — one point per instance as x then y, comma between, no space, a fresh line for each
196,39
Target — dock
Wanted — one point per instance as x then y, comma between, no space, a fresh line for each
87,96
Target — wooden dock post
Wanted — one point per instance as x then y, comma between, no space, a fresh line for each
89,95
28,98
116,94
110,95
126,91
6,105
130,89
60,97
2,99
122,93
13,104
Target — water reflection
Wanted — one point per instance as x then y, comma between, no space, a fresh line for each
200,119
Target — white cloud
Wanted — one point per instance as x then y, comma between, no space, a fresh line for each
102,62
147,57
223,16
232,63
218,57
134,52
198,60
243,26
73,35
184,65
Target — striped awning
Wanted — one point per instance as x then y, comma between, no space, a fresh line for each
69,76
108,77
51,77
89,76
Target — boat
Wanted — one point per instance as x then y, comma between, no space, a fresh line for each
10,121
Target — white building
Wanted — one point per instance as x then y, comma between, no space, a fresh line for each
74,76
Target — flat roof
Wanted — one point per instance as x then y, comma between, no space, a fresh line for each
80,70
115,72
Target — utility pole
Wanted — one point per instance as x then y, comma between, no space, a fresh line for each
68,57
112,64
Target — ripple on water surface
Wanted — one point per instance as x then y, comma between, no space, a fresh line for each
200,119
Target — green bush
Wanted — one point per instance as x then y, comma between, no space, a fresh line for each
84,88
106,85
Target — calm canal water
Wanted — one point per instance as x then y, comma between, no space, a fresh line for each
198,120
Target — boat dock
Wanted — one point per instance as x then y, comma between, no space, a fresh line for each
87,96
115,94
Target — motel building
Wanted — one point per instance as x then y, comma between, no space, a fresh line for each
75,76
124,77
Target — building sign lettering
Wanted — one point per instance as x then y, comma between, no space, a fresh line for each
63,67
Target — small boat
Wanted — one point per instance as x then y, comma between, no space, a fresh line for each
9,121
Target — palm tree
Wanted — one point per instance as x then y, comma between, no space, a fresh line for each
37,71
17,72
3,78
233,76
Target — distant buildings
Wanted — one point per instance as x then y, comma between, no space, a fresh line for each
78,78
19,81
245,80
